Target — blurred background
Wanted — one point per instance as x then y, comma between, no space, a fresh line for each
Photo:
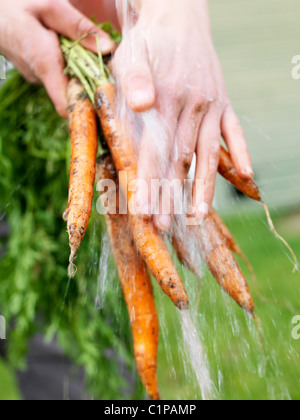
256,41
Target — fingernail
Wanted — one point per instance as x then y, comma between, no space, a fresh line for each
139,98
164,222
202,210
248,172
106,45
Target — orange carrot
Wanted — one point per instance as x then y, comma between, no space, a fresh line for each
150,244
83,130
157,257
137,289
120,145
228,171
188,257
230,240
223,265
251,190
234,247
219,259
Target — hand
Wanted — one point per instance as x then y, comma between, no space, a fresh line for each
28,38
169,64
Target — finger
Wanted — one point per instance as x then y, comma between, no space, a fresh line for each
52,76
208,156
180,163
235,139
136,78
156,146
65,19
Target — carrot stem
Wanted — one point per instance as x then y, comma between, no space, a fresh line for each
272,227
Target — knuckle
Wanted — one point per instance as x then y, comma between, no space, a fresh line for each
215,150
39,66
186,160
174,91
82,26
199,103
237,128
47,5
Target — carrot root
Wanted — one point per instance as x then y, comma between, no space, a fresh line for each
276,234
259,331
84,138
137,289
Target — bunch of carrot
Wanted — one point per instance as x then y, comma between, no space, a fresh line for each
136,244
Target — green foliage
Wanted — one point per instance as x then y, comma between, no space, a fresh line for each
35,293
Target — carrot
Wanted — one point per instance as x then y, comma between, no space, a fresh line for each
234,247
251,190
150,244
83,130
186,255
157,257
120,145
222,264
228,236
137,289
189,257
230,240
228,171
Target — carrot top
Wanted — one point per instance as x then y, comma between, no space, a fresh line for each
89,68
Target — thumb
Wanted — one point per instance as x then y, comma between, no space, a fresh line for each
66,20
136,79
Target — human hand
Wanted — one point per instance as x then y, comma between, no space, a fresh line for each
169,64
29,39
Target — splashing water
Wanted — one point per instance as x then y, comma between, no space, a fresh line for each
103,272
197,356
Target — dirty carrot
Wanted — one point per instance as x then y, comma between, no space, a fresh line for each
157,257
188,256
251,190
137,289
224,267
231,242
83,131
222,264
228,171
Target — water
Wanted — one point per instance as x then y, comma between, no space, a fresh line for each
196,355
103,272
